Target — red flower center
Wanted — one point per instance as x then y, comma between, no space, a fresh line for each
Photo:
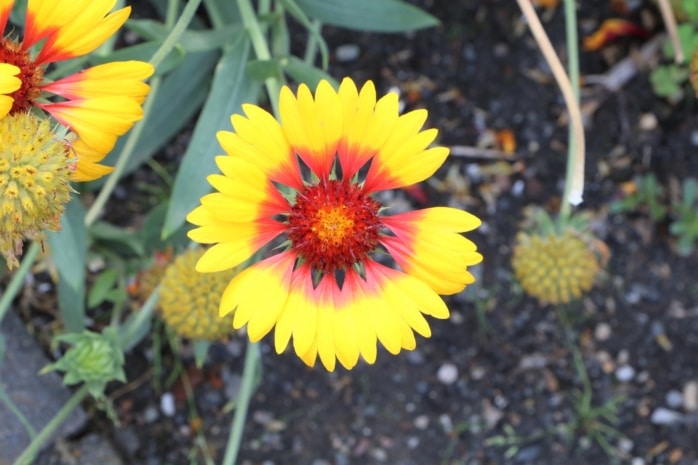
333,225
30,74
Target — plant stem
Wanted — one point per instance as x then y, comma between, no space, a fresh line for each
28,455
249,376
573,73
261,48
15,283
573,193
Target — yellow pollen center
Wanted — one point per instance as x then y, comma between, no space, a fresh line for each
332,224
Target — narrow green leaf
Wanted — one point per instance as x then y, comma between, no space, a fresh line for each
200,352
143,52
102,286
260,70
231,87
300,71
368,15
69,250
191,40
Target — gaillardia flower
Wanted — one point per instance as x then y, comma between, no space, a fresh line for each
189,299
35,170
309,181
98,104
557,261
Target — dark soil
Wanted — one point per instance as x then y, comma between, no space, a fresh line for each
497,383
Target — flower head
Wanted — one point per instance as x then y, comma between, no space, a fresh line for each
557,262
189,299
98,104
309,181
35,171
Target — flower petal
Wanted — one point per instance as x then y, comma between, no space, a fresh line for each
258,294
97,121
89,26
404,159
119,78
427,245
5,10
312,126
87,168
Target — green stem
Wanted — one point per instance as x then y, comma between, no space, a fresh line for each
249,376
573,73
16,282
28,455
261,48
5,399
160,54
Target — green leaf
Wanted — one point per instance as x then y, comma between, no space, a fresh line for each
368,15
69,251
200,352
102,286
103,231
191,41
230,89
300,71
143,52
260,70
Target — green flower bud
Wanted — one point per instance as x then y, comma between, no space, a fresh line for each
94,359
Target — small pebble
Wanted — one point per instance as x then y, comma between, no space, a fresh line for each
421,422
638,461
625,373
150,414
602,331
674,399
412,442
648,122
625,444
448,373
167,404
690,396
664,416
347,52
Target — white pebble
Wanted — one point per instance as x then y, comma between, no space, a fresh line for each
167,404
602,331
690,396
421,422
625,373
674,399
664,416
347,52
448,373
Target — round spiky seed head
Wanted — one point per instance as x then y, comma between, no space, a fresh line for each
555,267
35,170
189,300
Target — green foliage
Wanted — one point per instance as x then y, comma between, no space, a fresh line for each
93,358
647,198
685,226
669,80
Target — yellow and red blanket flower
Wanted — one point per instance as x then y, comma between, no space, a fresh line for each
310,179
97,104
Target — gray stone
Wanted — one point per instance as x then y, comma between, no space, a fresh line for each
37,397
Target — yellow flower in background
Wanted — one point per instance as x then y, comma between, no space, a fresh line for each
8,84
309,181
35,171
189,299
100,103
557,263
